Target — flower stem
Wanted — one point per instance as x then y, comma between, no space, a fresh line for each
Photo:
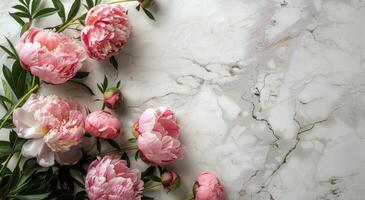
4,166
63,27
20,102
122,150
153,186
120,1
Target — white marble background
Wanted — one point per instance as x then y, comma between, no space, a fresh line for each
269,93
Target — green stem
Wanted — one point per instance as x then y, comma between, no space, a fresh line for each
20,102
69,23
120,1
122,150
5,165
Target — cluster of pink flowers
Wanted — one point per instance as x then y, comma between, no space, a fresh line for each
54,127
56,57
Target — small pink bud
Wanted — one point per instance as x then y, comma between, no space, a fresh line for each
113,98
170,180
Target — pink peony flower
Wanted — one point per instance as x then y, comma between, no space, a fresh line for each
208,187
113,98
53,57
158,136
102,124
109,178
106,31
52,126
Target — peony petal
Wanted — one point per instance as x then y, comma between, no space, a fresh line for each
70,157
45,157
32,147
27,126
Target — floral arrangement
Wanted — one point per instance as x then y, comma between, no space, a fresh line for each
52,138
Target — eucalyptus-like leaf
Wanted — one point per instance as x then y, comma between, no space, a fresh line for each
114,62
21,8
113,143
83,86
45,12
149,14
21,14
17,19
74,10
61,9
89,4
105,83
126,158
35,5
81,75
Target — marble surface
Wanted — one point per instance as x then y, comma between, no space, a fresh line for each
269,93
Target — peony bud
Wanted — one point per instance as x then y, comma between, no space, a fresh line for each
102,124
113,98
170,180
146,3
208,187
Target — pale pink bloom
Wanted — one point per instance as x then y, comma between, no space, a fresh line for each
113,98
110,179
158,136
53,57
106,31
52,126
208,187
102,124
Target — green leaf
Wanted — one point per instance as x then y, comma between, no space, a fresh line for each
84,86
138,7
61,9
98,145
137,155
21,14
5,148
126,158
8,77
148,13
114,62
82,195
113,143
105,83
74,10
148,172
17,19
7,51
35,5
100,88
12,47
21,8
97,2
118,84
81,75
45,12
132,140
30,197
153,178
5,99
90,4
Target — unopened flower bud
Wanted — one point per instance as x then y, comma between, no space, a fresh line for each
113,98
170,180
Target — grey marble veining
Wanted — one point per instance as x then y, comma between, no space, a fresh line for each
269,93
